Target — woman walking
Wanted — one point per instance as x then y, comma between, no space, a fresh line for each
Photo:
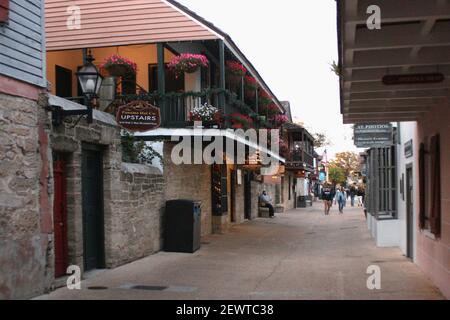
341,199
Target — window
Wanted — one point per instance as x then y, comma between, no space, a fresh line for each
173,83
63,79
4,11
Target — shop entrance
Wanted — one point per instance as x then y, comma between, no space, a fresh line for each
92,198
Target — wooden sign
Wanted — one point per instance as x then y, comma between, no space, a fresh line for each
139,116
413,78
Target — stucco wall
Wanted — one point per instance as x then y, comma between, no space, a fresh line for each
433,255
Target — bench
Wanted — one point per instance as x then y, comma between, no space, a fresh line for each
263,212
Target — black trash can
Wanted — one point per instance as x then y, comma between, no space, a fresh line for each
182,227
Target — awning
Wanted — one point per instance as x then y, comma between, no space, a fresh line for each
55,101
227,134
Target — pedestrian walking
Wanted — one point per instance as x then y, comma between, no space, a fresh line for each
353,192
327,197
341,199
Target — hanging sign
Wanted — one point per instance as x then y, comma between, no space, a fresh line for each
373,135
416,78
409,149
139,116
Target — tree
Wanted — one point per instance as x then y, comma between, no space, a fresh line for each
321,140
336,175
347,161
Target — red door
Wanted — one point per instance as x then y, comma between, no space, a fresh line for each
60,219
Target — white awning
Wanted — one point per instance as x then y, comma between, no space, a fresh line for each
228,134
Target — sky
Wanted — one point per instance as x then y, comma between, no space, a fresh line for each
291,44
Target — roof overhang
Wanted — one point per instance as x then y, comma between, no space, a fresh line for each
415,40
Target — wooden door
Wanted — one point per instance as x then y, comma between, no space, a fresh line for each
233,183
60,218
247,195
92,197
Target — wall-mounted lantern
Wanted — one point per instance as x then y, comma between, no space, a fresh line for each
90,81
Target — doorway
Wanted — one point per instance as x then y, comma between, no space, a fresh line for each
92,199
247,195
233,183
60,216
409,213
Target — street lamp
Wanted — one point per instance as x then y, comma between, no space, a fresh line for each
90,81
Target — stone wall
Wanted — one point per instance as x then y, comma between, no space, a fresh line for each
135,210
191,182
25,201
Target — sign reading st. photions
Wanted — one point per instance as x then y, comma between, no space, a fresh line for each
139,116
373,135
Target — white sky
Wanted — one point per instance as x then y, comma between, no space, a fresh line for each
291,43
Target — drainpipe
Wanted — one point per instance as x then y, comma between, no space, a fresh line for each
161,78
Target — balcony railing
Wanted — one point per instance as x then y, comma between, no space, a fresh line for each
176,106
297,158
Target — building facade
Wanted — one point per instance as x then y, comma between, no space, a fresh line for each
399,74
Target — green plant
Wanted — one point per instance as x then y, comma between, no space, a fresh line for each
336,68
137,151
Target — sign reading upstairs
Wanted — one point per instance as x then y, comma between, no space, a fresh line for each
373,135
139,116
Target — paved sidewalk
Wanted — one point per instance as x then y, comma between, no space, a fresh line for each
301,254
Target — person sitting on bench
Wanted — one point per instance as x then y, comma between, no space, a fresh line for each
266,200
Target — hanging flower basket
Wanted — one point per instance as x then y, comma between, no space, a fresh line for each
118,66
209,116
235,71
188,63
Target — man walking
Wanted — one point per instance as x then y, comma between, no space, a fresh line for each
341,199
353,194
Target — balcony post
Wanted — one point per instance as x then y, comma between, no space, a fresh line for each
161,77
222,105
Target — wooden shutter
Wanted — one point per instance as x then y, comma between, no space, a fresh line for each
435,196
422,186
4,10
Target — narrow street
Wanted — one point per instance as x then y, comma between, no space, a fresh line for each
301,254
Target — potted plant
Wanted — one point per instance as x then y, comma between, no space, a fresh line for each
240,121
188,63
117,65
209,116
